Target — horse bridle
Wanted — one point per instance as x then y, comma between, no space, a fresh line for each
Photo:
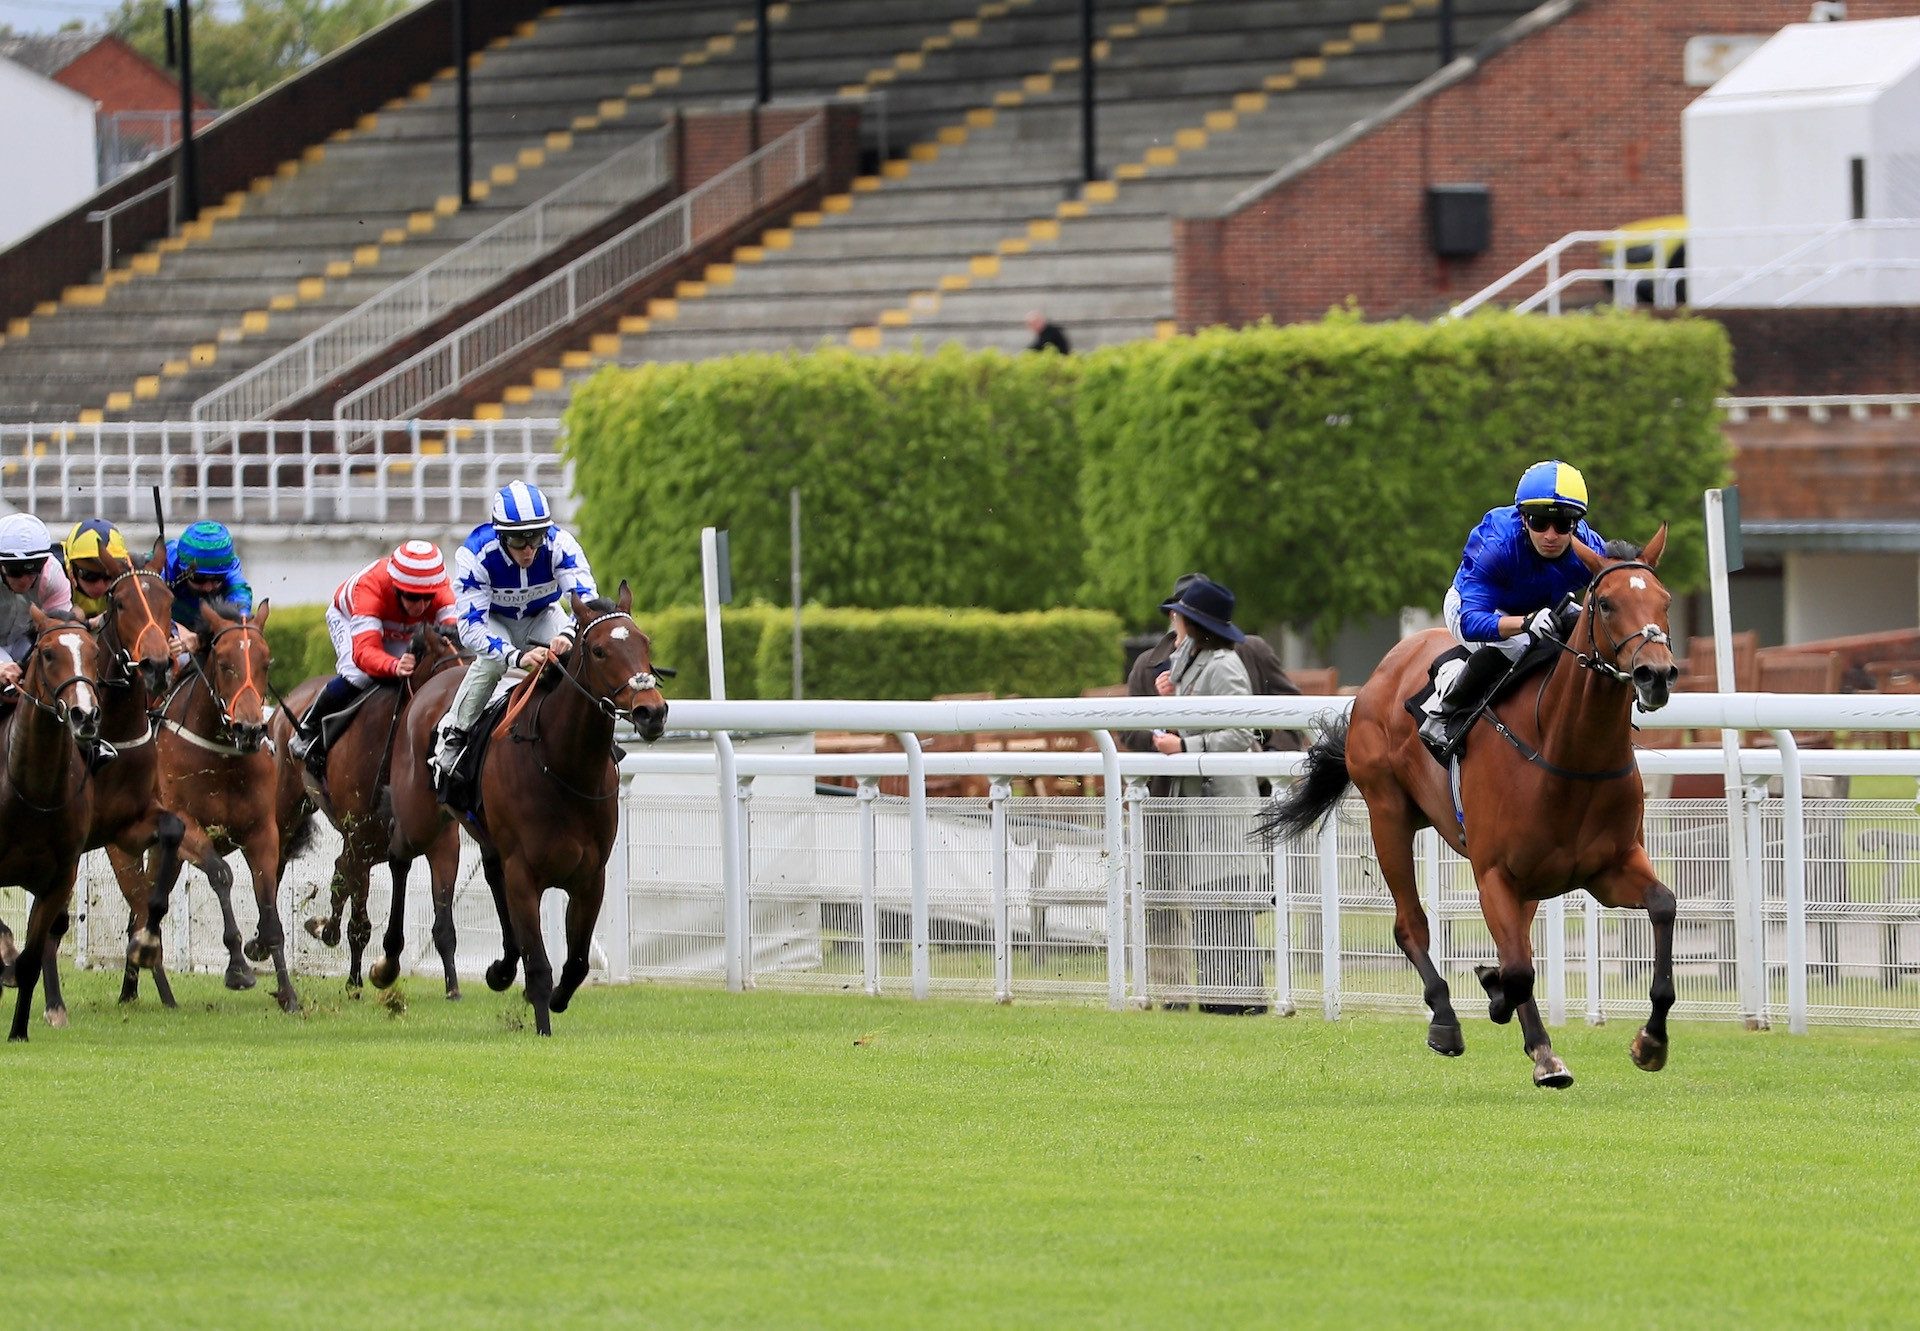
1650,634
60,712
639,682
124,666
227,722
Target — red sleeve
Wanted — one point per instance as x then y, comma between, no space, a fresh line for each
371,656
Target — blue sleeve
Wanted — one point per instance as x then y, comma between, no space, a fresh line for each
472,603
1479,596
1590,538
570,567
240,593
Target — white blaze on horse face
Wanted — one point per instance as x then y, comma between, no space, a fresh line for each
1635,581
82,693
618,633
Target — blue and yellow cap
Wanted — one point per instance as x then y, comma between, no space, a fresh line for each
1552,485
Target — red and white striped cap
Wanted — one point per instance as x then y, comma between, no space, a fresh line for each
417,567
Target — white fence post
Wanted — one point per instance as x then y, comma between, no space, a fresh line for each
620,903
1793,827
1557,961
1596,1011
868,791
1116,866
732,873
999,791
919,866
1282,931
1330,916
1135,795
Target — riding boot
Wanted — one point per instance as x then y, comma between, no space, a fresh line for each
446,757
1477,677
308,743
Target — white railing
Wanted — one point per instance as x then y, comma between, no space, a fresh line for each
456,276
1871,262
276,471
732,868
594,279
1822,406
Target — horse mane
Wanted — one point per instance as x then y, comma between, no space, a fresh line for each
1619,549
226,609
600,605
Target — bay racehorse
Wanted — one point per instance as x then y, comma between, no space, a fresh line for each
217,773
353,797
1549,793
46,794
128,818
549,791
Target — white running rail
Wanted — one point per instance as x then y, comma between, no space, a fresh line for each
276,471
456,276
593,279
1776,266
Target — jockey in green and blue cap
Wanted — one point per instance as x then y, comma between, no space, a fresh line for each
203,566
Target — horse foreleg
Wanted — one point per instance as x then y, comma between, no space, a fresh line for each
48,905
500,973
360,926
583,912
55,1008
523,891
1393,831
443,865
263,860
9,957
1510,989
326,928
1634,885
386,970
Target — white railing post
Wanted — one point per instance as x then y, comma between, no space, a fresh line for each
1330,916
1135,795
1557,961
1793,827
732,873
999,791
1429,840
868,790
1116,866
919,867
619,898
1282,931
743,820
1596,1010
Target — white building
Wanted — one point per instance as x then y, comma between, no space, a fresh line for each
47,150
1812,139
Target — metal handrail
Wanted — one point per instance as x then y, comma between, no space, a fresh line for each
105,216
570,293
495,253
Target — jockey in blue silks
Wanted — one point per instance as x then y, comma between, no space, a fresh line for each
1518,566
203,566
511,583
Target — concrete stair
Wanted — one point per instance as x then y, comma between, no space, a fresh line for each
984,219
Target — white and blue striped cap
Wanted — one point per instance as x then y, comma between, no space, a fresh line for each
521,507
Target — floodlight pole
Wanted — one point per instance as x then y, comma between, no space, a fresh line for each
1089,154
762,56
1446,33
187,198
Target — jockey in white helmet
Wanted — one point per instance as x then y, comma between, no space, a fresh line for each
511,581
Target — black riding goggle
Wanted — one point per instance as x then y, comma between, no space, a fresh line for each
1557,519
23,568
523,540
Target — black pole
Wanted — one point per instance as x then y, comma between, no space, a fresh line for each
188,202
464,116
1446,33
1089,156
762,56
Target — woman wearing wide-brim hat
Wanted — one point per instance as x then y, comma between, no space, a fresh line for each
1215,870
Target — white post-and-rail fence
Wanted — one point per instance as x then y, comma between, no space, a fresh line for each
316,472
1134,900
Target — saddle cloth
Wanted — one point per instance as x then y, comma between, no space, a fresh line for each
1541,655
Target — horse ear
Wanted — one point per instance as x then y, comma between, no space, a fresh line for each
215,620
157,558
260,613
1593,560
625,599
1655,548
42,621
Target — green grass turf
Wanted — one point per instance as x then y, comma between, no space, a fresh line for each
690,1158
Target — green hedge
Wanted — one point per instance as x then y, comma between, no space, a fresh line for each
297,637
1326,471
1331,471
947,479
908,652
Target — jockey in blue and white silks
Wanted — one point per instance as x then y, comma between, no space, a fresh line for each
1518,564
512,583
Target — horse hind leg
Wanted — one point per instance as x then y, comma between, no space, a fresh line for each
263,859
1393,832
523,905
386,970
500,973
443,862
55,1009
583,911
326,928
9,957
360,926
1510,989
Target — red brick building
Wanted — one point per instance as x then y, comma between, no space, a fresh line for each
137,101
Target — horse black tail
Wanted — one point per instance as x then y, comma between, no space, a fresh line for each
1314,794
296,839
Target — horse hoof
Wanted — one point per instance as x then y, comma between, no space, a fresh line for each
453,993
57,1018
383,973
1552,1075
558,1003
239,978
500,976
255,950
1649,1053
288,1000
1446,1040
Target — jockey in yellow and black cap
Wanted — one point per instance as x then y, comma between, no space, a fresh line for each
95,554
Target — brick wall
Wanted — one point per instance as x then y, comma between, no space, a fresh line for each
1575,126
119,78
1781,353
1840,469
708,143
